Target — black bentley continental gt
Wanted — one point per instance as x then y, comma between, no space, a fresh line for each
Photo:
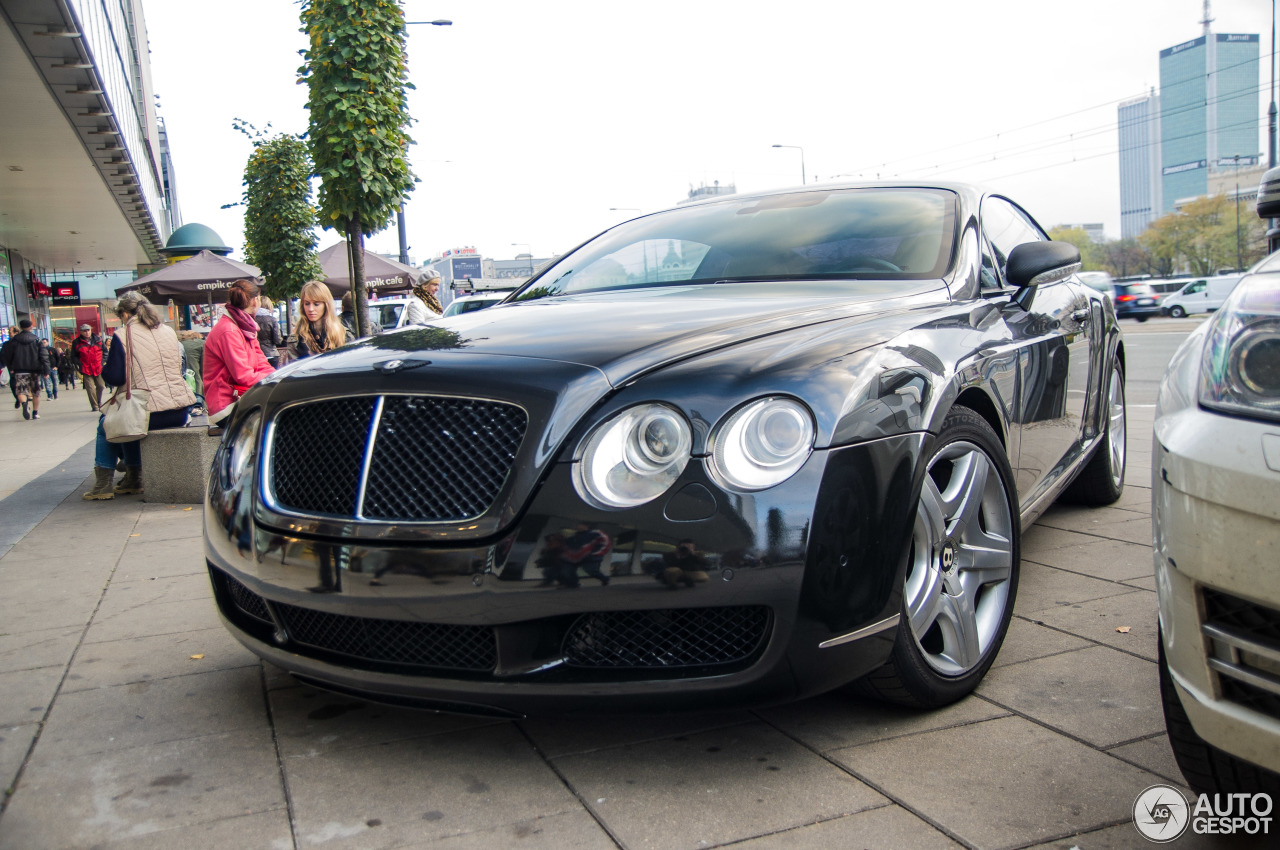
743,451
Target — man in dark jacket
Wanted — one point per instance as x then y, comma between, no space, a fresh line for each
269,336
28,361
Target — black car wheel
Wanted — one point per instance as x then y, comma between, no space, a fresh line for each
961,571
1177,312
1102,481
1208,770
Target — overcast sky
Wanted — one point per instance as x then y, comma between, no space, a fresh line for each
534,119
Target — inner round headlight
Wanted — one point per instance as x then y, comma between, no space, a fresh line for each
634,457
241,450
761,444
1256,364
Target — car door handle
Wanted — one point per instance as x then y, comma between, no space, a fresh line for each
1081,316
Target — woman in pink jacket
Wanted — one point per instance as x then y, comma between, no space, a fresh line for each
233,360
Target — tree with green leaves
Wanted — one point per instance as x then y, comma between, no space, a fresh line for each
1090,251
1202,237
357,76
279,219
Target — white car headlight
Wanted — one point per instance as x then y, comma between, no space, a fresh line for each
761,444
1240,372
633,457
241,450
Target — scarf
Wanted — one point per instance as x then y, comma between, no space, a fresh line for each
433,303
247,325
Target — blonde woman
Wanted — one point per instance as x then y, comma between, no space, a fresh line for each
424,306
154,366
318,327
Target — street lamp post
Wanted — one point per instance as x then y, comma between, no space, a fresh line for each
797,147
400,228
1236,160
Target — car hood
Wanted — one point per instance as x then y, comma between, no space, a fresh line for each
627,333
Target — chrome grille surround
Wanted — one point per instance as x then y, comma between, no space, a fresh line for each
390,458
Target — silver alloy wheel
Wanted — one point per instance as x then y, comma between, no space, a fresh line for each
961,560
1116,435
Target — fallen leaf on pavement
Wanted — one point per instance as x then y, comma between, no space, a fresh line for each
1124,630
196,657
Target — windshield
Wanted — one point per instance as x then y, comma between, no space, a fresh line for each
844,234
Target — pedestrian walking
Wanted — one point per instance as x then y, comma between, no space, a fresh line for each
88,355
424,305
318,327
147,356
269,336
50,380
233,358
14,330
28,363
66,370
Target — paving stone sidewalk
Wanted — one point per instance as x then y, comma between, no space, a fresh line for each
130,719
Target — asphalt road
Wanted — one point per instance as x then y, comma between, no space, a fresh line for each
1149,346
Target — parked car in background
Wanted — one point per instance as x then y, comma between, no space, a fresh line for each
389,312
1202,295
1215,479
471,303
742,451
1136,300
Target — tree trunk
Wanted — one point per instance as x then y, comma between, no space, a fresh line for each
359,297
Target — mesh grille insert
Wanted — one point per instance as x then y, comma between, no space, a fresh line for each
317,454
440,459
679,637
246,600
434,645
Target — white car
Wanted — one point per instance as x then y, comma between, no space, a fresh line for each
1200,296
1216,511
471,303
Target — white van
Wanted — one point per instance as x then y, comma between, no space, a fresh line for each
1203,295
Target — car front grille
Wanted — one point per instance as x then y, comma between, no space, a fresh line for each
394,458
677,637
1244,638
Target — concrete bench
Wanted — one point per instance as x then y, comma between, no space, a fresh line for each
176,461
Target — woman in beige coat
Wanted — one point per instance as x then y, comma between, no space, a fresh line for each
155,366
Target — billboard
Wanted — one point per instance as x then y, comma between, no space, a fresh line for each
464,267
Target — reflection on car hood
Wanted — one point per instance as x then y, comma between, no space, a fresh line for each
625,333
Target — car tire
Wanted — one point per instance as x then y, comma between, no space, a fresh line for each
961,571
1142,318
1177,312
1207,769
1102,480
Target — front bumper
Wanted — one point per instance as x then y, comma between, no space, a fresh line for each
485,628
1217,534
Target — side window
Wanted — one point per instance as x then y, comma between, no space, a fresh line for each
1006,227
1196,287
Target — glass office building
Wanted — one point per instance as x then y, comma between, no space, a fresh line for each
1209,115
1140,184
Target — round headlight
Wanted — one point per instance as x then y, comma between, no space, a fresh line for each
1255,362
241,450
761,444
633,457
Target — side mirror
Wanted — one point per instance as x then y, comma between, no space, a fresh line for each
1033,263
